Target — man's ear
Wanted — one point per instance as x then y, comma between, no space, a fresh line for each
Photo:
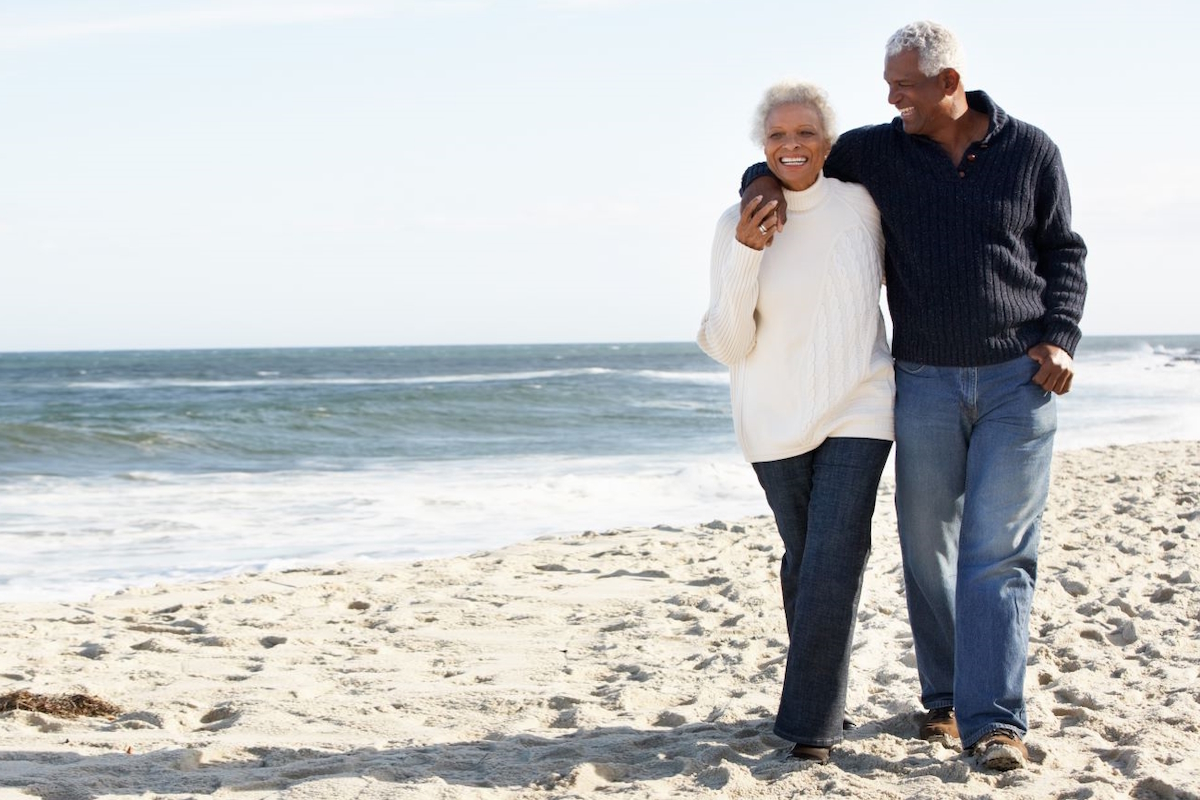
949,79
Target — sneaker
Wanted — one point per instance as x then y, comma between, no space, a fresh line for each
939,726
1001,750
805,753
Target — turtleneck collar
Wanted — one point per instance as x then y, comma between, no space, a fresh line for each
808,198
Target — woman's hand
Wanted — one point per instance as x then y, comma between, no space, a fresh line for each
757,226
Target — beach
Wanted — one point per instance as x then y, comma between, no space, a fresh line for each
636,662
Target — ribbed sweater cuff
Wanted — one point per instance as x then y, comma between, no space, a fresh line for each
744,259
1065,336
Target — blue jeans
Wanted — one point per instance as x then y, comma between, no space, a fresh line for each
973,449
823,501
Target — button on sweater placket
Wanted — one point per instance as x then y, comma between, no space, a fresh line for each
968,161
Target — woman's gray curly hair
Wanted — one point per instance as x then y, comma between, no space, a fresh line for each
936,45
802,92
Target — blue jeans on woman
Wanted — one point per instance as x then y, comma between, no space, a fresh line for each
973,451
823,501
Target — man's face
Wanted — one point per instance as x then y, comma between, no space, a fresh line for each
921,100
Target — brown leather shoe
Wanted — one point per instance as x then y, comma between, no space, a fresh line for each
1001,750
940,726
806,753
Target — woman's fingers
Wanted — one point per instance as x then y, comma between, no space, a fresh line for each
758,224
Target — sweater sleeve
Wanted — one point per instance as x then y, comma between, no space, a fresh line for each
1061,254
728,330
846,157
752,172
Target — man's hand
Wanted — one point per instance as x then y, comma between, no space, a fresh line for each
767,188
1058,368
756,228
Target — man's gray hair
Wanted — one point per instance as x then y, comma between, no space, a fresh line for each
785,92
936,45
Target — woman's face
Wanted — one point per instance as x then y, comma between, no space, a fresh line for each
795,145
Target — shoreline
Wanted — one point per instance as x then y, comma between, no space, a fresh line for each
37,576
639,661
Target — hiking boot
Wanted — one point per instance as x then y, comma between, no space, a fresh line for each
939,726
1001,750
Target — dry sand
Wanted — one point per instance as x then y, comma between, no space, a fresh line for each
631,663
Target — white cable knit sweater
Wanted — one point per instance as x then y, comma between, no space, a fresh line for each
800,327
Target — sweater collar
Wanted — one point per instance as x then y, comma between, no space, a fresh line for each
997,119
807,198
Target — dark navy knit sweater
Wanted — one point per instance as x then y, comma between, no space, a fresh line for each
981,260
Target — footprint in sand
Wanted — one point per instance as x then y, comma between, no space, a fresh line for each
140,720
220,718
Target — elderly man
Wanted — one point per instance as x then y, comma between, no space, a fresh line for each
985,283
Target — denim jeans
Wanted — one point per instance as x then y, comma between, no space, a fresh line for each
973,449
823,501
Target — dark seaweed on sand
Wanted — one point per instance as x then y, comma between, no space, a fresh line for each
58,705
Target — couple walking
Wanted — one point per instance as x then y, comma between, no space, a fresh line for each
964,213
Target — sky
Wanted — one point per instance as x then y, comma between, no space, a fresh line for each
272,173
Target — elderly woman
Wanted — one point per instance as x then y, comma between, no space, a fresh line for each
795,315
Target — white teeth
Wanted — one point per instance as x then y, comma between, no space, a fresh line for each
794,160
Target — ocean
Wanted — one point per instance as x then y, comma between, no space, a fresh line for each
133,468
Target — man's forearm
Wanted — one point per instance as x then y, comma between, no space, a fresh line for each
754,172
